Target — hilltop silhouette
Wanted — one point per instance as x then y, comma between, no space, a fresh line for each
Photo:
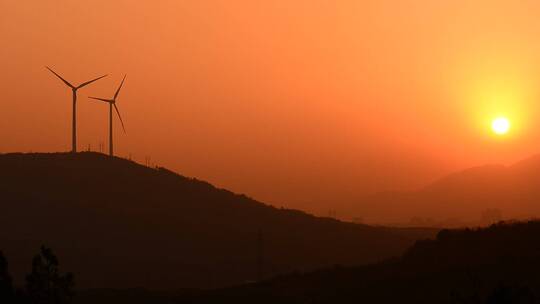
463,198
115,223
499,264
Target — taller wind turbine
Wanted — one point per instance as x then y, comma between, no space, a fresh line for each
112,103
74,120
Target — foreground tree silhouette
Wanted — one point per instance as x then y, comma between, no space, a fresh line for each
45,284
6,284
511,295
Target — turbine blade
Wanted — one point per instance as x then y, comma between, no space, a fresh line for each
65,81
89,82
102,99
120,87
118,112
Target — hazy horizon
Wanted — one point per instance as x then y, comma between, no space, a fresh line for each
295,103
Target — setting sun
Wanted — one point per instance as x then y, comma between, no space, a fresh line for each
500,125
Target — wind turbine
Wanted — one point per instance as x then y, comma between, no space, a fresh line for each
74,120
112,103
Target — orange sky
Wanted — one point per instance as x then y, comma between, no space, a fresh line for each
295,102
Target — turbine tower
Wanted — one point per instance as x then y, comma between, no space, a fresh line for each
112,103
74,120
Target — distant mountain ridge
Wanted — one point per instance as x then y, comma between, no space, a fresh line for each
461,197
119,224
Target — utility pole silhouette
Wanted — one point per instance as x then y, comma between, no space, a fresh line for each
260,255
74,90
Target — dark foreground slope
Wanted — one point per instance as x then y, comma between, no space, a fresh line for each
119,224
499,264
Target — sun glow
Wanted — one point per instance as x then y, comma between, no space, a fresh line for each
500,125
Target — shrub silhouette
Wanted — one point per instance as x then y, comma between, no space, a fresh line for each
502,294
511,295
45,284
6,283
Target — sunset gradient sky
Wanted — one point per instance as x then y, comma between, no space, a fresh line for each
299,103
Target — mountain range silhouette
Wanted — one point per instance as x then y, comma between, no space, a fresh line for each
460,198
118,224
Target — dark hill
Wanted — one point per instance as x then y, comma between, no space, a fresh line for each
499,264
463,197
119,224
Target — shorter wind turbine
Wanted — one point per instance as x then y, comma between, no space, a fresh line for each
74,120
112,103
